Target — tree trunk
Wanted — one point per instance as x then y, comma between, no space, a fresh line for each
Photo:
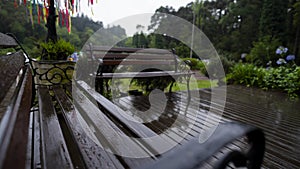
296,45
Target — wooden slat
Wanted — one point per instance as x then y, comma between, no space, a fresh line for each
93,155
137,62
129,50
140,56
36,140
10,67
143,74
110,136
7,41
138,129
54,150
15,125
261,108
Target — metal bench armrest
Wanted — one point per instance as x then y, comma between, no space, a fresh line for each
194,154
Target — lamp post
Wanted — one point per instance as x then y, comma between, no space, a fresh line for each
192,41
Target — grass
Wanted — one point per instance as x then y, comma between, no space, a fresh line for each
195,85
124,85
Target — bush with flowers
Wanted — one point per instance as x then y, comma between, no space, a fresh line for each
263,52
285,75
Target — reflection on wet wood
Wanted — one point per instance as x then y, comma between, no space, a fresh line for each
271,111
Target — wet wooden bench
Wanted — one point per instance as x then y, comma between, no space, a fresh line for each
138,63
73,126
15,102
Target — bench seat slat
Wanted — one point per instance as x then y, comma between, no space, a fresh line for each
126,50
10,67
139,56
93,155
143,74
54,150
138,129
14,126
138,62
106,133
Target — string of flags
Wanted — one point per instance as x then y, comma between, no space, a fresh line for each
39,10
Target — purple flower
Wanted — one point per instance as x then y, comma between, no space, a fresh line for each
280,61
278,51
290,57
281,50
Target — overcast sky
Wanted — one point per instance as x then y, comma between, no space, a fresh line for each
109,11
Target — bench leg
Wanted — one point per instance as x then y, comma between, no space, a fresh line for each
188,87
170,89
99,85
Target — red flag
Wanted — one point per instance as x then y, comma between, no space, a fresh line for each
62,18
39,15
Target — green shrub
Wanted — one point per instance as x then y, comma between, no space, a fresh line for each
57,51
227,64
264,51
247,74
213,66
194,64
282,78
149,84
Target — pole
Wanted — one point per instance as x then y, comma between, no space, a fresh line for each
193,29
51,19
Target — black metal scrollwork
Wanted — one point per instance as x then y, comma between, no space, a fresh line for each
53,73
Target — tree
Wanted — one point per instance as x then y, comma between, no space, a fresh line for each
139,40
296,24
273,19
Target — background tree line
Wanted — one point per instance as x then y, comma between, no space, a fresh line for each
254,27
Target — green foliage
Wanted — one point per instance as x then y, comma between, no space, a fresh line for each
57,51
149,84
140,40
6,51
264,51
194,64
273,21
247,74
182,50
227,63
282,78
213,67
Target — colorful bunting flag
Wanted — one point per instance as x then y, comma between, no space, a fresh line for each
39,10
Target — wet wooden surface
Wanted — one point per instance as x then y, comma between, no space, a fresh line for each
7,41
271,111
53,146
14,124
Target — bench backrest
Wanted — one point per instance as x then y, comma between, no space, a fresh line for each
15,104
136,58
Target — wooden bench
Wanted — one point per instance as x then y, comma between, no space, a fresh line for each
136,63
74,126
15,103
